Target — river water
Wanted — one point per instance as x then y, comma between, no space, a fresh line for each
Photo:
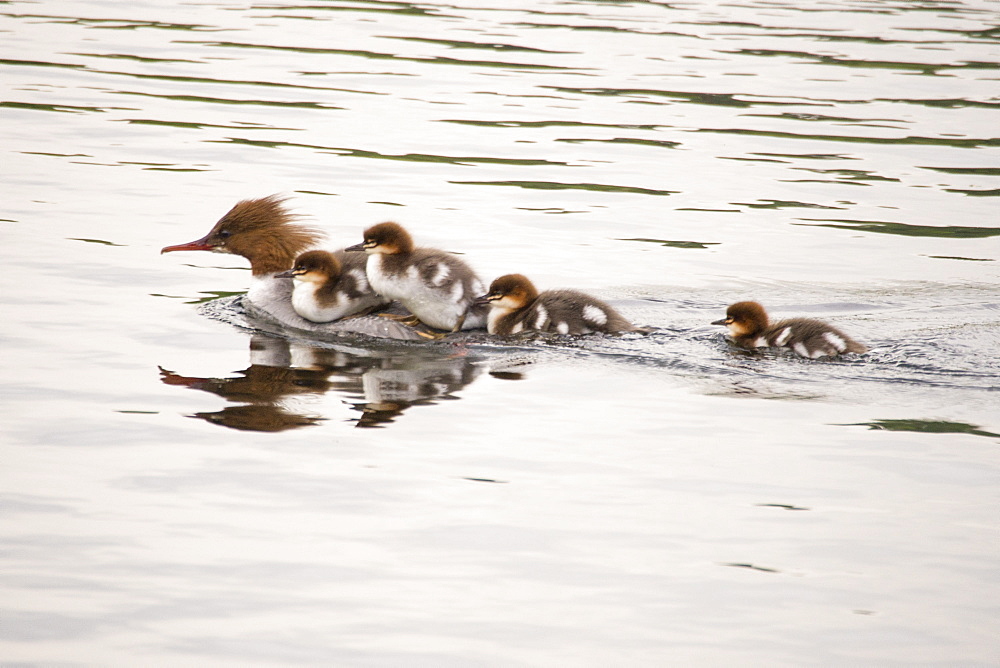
181,488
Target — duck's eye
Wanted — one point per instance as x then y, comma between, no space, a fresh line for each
224,234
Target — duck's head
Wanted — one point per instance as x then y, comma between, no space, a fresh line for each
744,319
313,267
509,292
261,230
385,238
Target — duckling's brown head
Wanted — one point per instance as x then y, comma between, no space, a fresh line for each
315,266
512,291
386,239
744,319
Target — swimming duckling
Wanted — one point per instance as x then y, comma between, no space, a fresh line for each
517,306
749,326
324,291
437,287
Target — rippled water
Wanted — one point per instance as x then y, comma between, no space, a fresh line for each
182,484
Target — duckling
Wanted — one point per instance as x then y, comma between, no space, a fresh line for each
749,326
324,291
438,288
517,306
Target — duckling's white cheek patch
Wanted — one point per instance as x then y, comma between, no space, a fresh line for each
594,314
838,343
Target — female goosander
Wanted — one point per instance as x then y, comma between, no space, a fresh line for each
269,236
749,326
437,287
516,306
324,292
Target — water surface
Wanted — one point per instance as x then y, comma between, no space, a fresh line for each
181,486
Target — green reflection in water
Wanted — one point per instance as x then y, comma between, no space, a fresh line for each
783,506
849,174
975,193
896,141
95,241
783,204
592,28
546,124
199,126
676,244
61,108
39,63
977,171
626,140
921,68
222,100
870,122
190,79
549,185
811,156
372,8
374,55
58,155
409,157
213,294
952,103
141,59
118,24
176,169
753,567
902,229
712,99
457,44
924,426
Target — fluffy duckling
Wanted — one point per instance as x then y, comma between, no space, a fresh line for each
749,326
516,306
324,291
438,288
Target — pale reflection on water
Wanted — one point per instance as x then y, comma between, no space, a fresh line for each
660,500
379,384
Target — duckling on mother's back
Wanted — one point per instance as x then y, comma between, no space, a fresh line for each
436,286
324,291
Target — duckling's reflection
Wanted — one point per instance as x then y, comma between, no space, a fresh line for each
379,384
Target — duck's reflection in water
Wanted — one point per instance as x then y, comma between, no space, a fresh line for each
379,384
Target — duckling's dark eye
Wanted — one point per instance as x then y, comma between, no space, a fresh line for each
224,234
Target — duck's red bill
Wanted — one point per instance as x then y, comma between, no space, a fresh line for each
191,245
